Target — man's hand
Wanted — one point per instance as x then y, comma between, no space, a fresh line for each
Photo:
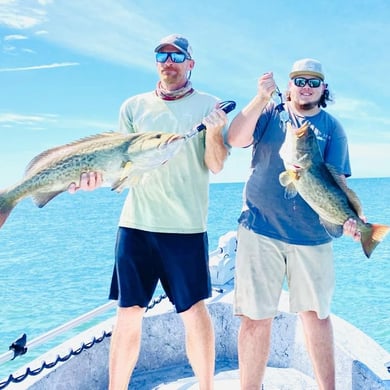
88,182
265,86
215,121
350,228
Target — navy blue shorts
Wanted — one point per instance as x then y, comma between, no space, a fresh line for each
179,261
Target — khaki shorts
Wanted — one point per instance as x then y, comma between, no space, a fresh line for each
263,263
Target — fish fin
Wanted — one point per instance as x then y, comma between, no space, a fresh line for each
5,208
372,236
119,185
42,198
58,152
334,230
286,179
126,169
131,181
290,191
4,214
128,181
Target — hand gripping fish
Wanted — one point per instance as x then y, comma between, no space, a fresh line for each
322,187
121,158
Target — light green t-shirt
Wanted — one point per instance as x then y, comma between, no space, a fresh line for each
174,197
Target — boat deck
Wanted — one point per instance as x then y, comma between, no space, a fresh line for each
226,377
162,365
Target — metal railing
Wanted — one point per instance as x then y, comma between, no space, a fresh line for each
20,347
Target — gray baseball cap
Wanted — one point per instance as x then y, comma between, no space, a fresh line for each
307,66
177,41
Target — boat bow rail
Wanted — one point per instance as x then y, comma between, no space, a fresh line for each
20,346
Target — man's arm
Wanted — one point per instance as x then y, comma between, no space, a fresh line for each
216,151
240,133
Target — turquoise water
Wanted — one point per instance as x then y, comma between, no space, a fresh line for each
56,262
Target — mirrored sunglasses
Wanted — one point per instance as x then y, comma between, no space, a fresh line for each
301,82
177,58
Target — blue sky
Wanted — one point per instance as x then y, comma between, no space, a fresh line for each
66,66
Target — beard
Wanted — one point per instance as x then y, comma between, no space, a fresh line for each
309,106
170,76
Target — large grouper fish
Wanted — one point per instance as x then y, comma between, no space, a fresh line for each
323,188
121,158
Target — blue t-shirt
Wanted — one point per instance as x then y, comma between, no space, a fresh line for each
266,210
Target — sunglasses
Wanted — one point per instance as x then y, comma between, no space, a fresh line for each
177,58
301,82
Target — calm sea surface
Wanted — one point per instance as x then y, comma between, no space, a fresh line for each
56,262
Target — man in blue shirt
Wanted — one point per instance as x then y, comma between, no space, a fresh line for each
279,237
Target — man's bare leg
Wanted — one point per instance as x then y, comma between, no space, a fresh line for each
200,343
319,341
254,341
125,346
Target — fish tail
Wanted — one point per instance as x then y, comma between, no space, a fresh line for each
372,236
5,208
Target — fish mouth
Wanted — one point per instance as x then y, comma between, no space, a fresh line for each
295,165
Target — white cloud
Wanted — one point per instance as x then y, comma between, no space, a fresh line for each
46,121
362,119
15,37
8,119
81,123
39,67
359,110
30,51
370,160
21,14
9,49
117,32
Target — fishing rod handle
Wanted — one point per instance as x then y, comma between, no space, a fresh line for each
227,106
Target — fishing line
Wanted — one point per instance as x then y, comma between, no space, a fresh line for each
277,97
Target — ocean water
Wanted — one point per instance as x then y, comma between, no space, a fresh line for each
56,263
